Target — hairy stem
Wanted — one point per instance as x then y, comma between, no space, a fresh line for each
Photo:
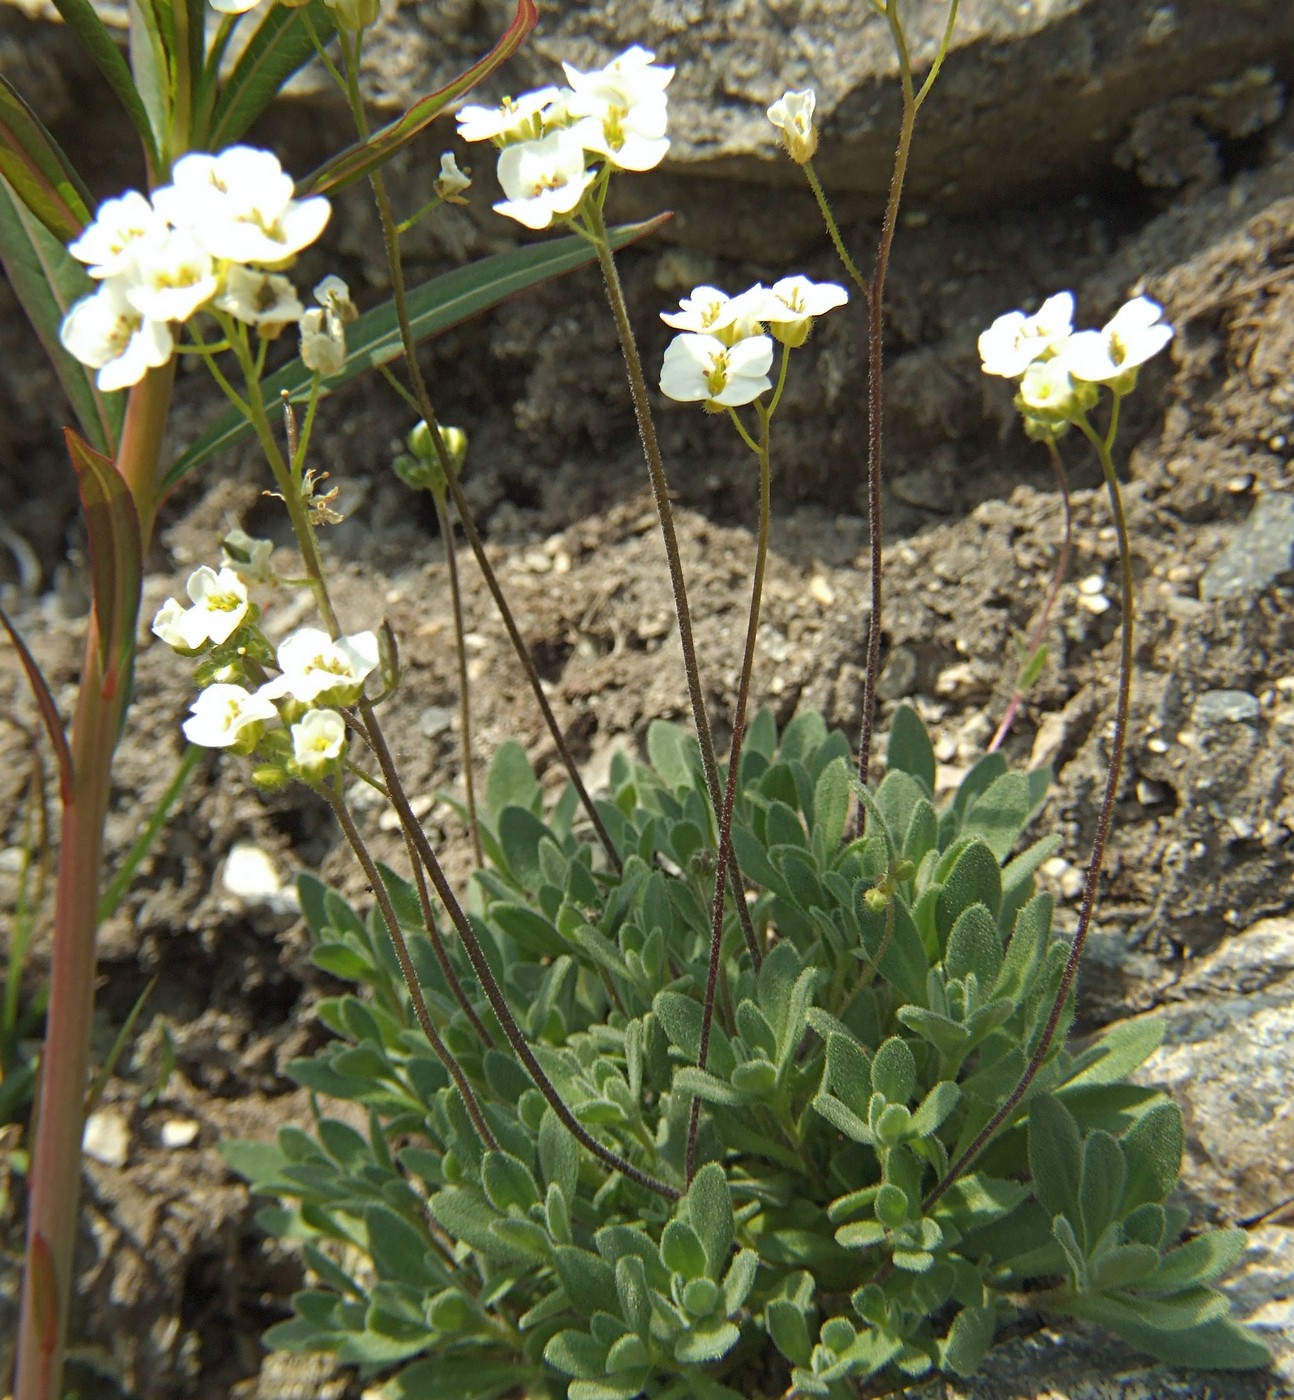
443,1053
1103,822
673,557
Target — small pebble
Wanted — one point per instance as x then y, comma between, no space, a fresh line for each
250,875
1217,707
420,806
435,719
179,1132
821,591
106,1138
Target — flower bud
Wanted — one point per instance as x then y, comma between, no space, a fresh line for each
792,115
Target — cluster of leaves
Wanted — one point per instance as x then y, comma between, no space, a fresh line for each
907,979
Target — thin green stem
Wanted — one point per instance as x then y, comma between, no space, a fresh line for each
342,812
1104,818
464,684
833,231
673,556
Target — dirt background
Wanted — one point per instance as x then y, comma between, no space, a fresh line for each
176,1284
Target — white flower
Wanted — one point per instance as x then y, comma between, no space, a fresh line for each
708,311
354,14
1014,341
247,557
793,302
542,179
317,669
121,229
108,333
172,279
1130,338
511,120
239,205
451,181
227,715
1047,388
219,607
266,300
323,342
334,296
234,7
702,367
317,741
792,115
623,109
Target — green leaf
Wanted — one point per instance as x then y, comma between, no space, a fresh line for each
894,1071
1209,1343
507,1182
1102,1189
997,816
559,1155
280,45
529,930
680,1016
436,306
116,564
699,1083
831,797
968,1341
1055,1156
910,750
589,1281
1201,1260
576,1354
464,1375
974,945
53,722
788,1327
633,1293
681,1250
849,1073
356,161
739,1279
935,1108
1116,1053
37,170
47,280
81,19
706,1344
1152,1149
511,781
467,1218
673,753
974,879
520,833
708,1204
397,1249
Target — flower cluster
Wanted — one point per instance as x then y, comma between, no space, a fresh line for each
725,352
1059,369
216,236
323,327
554,140
318,676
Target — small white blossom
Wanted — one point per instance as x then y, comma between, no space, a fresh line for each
219,607
542,179
318,670
239,205
1135,333
354,15
451,182
121,229
108,333
323,342
172,279
266,300
234,7
621,109
709,311
699,313
512,120
227,716
247,557
317,741
792,115
1047,388
1014,341
334,296
702,367
793,302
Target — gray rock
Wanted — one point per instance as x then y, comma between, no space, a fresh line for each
1217,707
1261,554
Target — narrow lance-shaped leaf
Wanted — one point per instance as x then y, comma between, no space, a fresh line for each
38,171
112,528
46,280
356,161
81,19
282,44
434,307
49,714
